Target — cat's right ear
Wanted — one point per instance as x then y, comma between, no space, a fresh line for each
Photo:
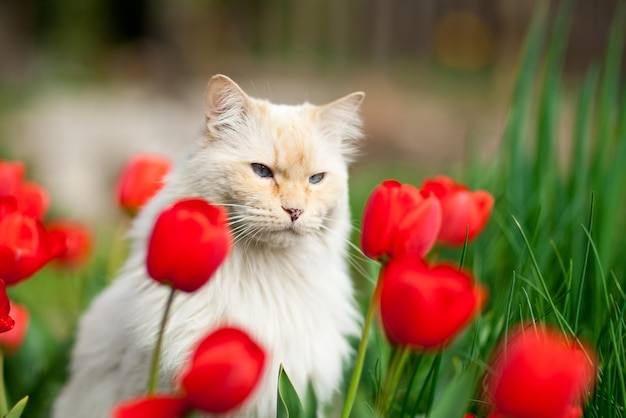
225,105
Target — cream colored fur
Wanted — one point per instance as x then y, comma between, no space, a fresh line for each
285,282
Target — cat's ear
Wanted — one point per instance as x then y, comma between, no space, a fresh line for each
225,105
341,120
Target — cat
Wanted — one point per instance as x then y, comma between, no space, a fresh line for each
281,172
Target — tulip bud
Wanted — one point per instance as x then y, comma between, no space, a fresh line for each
78,243
541,374
11,341
140,179
6,322
424,306
398,220
158,406
224,370
463,212
189,241
11,178
25,245
33,200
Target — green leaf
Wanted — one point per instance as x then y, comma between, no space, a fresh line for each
289,404
310,402
454,398
16,411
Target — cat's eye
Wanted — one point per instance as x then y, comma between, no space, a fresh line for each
262,170
316,178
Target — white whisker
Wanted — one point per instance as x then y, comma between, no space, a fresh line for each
350,243
352,223
234,205
356,260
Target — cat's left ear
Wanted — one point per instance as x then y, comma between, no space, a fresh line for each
341,119
225,105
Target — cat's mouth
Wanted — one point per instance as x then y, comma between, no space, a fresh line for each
290,229
279,236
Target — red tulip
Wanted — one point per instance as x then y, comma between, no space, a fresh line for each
33,200
6,322
141,178
573,411
224,370
11,177
78,243
539,373
25,245
399,219
7,205
463,211
12,340
426,306
190,240
159,406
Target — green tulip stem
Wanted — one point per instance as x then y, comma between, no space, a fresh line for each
394,373
156,355
360,357
4,407
433,385
383,393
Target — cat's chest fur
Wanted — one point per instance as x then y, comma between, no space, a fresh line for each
296,302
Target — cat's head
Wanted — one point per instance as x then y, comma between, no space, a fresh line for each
280,170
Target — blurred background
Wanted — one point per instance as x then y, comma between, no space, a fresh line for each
85,84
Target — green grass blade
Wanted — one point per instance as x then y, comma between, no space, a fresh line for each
560,319
601,289
582,134
405,401
579,178
610,88
581,284
520,106
546,161
508,308
607,130
617,342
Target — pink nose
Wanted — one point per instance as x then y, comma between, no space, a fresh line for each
294,213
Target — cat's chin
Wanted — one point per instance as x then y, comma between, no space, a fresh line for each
280,238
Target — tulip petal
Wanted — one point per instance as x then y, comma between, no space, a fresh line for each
25,247
377,220
399,219
225,368
157,406
539,373
6,322
426,306
464,212
418,230
140,179
189,241
11,341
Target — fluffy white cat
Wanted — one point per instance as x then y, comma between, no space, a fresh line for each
281,172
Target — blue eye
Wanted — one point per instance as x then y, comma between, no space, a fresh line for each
261,170
316,178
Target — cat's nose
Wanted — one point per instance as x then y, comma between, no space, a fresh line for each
294,213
